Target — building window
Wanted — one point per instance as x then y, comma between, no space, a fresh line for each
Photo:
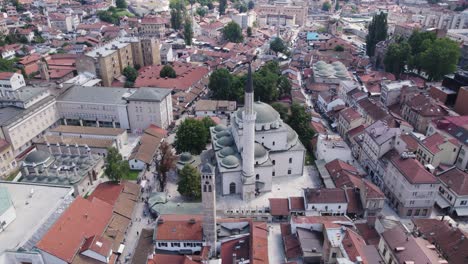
333,255
257,177
409,212
289,171
273,161
424,212
290,160
417,212
273,173
463,202
411,202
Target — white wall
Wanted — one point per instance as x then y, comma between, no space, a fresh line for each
172,247
136,164
9,216
326,208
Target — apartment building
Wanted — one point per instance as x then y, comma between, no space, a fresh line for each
391,90
10,82
437,150
7,159
325,201
149,106
409,187
152,26
419,110
145,50
378,139
453,191
348,119
63,22
298,11
453,127
107,61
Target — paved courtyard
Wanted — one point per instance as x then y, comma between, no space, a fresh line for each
283,187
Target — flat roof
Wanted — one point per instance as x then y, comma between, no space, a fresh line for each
105,131
96,95
31,212
107,49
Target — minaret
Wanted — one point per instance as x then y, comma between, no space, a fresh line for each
208,185
248,144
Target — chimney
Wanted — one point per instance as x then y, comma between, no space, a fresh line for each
59,149
77,150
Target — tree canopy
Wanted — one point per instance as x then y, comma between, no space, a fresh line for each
191,136
277,45
249,31
222,6
232,32
397,56
377,32
121,4
188,32
299,120
225,86
423,52
131,73
207,123
167,71
189,184
201,11
282,110
166,162
326,6
251,5
339,48
116,167
177,13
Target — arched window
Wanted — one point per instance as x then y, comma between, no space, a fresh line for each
209,188
204,188
232,188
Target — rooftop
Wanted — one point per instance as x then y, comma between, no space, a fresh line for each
319,196
456,180
96,95
149,94
179,228
105,131
34,204
413,171
83,219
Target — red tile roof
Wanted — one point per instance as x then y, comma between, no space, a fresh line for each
343,174
107,191
98,244
354,245
456,180
433,142
349,114
6,75
259,243
411,142
373,191
291,245
413,171
172,259
369,233
179,228
279,206
320,196
187,76
239,246
296,203
354,201
83,219
327,221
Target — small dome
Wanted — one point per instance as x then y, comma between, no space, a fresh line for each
260,151
220,127
225,141
226,151
222,134
230,162
207,169
292,136
37,157
185,157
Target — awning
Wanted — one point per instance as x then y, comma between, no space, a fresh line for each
441,202
462,211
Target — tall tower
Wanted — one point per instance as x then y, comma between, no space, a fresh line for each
208,185
248,146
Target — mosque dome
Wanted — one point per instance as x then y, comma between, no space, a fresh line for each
260,151
37,157
220,127
320,65
222,134
230,162
265,113
185,157
227,151
225,141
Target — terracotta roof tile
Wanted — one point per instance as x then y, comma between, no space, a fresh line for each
179,227
335,195
413,171
83,219
296,203
279,206
456,180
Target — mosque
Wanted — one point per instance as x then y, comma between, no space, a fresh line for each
255,148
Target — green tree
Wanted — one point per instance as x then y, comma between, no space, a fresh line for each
284,86
440,58
299,120
7,65
189,184
225,86
282,110
222,6
167,71
377,32
232,32
188,32
277,45
121,4
251,5
266,82
165,163
207,123
191,136
131,73
241,7
201,11
249,31
339,48
326,6
116,167
397,56
177,13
